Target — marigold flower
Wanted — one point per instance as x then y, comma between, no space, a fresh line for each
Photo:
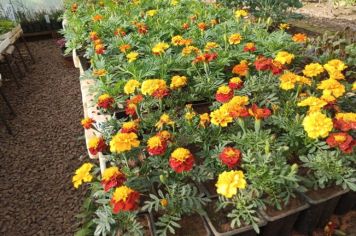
314,103
160,48
181,160
130,109
331,87
241,13
283,26
236,83
335,64
277,67
131,86
156,146
164,202
241,69
124,48
236,106
345,121
178,82
299,38
151,12
229,182
100,72
204,120
284,57
164,120
313,69
123,142
132,56
335,74
249,47
354,86
205,58
189,49
96,144
224,94
141,28
129,126
177,40
221,117
210,45
82,175
185,26
263,63
105,101
289,80
316,124
259,113
99,49
235,39
124,199
87,122
93,35
202,26
214,22
74,7
230,156
97,18
152,86
165,135
120,31
112,177
343,141
189,115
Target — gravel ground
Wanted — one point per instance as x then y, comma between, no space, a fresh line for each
37,162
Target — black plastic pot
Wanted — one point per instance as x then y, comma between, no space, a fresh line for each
322,204
282,222
201,106
346,203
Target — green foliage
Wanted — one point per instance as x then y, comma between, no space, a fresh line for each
6,25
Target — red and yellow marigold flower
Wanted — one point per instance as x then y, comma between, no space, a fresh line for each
160,48
185,26
229,182
124,48
165,135
156,146
259,113
299,38
249,47
236,107
96,145
345,121
314,103
241,69
87,122
343,141
123,142
235,39
124,199
236,83
112,177
284,57
93,36
130,109
120,32
131,86
230,156
204,120
241,13
221,117
178,82
164,120
317,125
181,160
82,175
154,87
99,49
205,58
129,127
313,69
105,101
224,94
202,26
178,40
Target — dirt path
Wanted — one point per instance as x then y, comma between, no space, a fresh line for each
37,162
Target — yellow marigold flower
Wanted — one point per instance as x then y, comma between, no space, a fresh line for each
348,117
189,49
122,142
335,74
122,193
235,39
204,119
155,141
132,56
164,202
178,40
100,72
189,115
129,126
151,12
164,120
178,82
303,80
239,101
332,87
210,45
288,81
241,13
82,175
149,86
224,90
174,2
354,86
131,86
313,69
314,103
160,48
284,57
221,117
335,64
317,125
110,172
229,182
283,26
181,154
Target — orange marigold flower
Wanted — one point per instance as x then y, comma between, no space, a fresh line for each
202,26
129,126
124,199
165,135
99,49
343,141
87,122
105,101
164,202
236,83
185,26
156,146
74,7
123,142
112,177
235,39
204,120
96,144
100,72
205,58
181,160
241,69
124,48
224,94
259,113
300,38
230,156
177,40
249,47
189,49
130,109
97,18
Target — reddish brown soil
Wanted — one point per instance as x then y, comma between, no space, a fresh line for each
38,161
